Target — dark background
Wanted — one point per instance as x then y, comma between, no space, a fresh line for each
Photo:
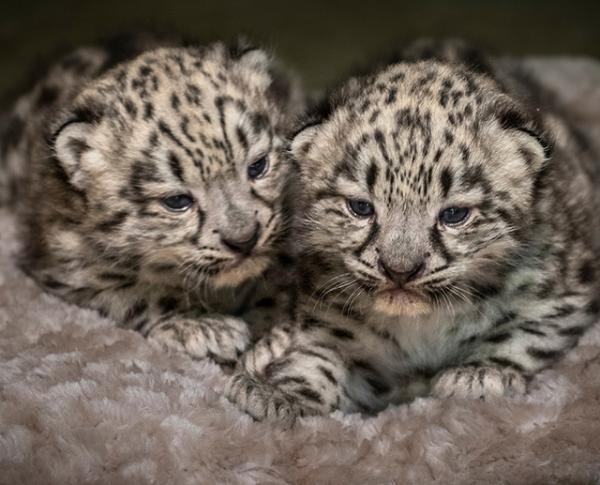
320,40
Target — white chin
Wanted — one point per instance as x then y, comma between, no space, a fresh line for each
401,303
244,271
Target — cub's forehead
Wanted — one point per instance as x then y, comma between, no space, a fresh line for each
198,108
404,95
181,77
405,112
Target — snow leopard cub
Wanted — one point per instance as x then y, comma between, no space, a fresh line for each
450,246
150,187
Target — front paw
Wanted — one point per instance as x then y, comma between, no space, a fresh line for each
473,382
221,338
263,401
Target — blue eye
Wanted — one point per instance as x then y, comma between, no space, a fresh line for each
453,216
178,203
360,207
258,168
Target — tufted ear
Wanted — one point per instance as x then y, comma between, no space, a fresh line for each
537,143
255,58
318,114
70,146
302,142
248,55
280,86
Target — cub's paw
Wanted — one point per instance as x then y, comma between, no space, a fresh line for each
266,350
219,337
473,382
263,401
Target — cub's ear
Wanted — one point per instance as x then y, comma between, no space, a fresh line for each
302,142
255,58
537,144
70,143
248,55
313,121
286,91
281,86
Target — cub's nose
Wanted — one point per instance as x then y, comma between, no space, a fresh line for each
243,245
401,276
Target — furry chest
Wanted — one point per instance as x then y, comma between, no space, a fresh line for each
429,342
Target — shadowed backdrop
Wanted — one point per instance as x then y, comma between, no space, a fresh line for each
321,40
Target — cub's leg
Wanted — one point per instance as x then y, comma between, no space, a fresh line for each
267,349
222,338
162,316
306,377
479,382
516,348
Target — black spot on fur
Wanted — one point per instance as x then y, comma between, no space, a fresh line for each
167,304
310,394
448,137
543,354
504,362
438,244
378,386
391,97
586,273
593,307
572,331
141,173
175,165
485,290
474,175
266,303
328,374
113,275
372,175
130,108
135,311
148,110
562,311
497,338
175,102
531,330
342,333
113,222
379,138
53,284
363,365
370,237
446,181
242,138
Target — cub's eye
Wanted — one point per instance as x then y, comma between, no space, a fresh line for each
178,203
453,216
360,207
257,169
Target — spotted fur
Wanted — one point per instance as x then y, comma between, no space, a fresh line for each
397,303
91,155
